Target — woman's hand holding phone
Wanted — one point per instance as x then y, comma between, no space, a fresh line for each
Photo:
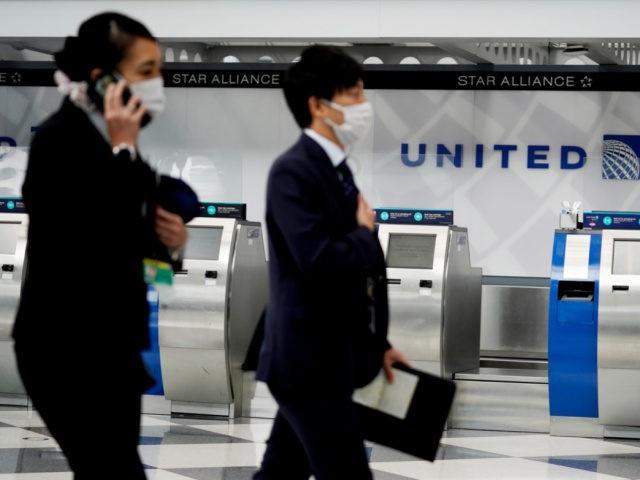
123,119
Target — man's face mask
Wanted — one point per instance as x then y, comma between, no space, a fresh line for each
357,121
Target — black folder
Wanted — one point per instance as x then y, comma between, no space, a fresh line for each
419,433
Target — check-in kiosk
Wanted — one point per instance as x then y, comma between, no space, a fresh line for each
594,328
619,321
207,319
573,332
434,293
13,241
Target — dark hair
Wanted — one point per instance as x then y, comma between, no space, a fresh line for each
322,72
102,42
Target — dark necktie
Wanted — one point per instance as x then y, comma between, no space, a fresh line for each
346,179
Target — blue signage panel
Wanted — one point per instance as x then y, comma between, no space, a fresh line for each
611,220
411,216
12,205
224,210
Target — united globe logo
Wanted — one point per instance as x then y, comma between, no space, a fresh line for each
620,157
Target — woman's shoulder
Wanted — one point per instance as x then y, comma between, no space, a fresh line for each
66,114
62,126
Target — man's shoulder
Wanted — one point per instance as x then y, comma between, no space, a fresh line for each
295,157
295,166
300,154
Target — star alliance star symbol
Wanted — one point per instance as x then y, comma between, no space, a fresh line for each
16,78
586,81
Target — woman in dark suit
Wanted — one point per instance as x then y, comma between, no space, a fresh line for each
93,217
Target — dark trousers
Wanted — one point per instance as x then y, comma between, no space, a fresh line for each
315,434
94,416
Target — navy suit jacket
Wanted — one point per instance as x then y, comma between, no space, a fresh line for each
327,280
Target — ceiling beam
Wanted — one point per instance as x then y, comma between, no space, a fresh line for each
603,54
501,53
469,53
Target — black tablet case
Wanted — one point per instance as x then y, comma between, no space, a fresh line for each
419,433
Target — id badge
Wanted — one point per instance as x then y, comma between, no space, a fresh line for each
157,272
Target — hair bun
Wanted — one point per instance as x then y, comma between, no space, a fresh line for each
72,59
101,43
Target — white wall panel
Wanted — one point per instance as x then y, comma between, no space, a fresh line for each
223,141
510,19
364,20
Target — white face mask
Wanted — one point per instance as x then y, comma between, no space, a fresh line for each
357,121
151,93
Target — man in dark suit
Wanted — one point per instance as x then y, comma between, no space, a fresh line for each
326,321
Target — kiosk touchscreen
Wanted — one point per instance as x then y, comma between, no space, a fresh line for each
204,242
13,241
434,293
411,250
207,319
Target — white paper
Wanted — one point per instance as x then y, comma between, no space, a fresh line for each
576,257
390,398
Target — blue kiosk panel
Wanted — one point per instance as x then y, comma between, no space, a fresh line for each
151,356
573,324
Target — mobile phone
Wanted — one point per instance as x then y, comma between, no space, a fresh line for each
98,90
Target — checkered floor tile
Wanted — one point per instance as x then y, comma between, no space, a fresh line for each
183,447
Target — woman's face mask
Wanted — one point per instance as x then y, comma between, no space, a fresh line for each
142,68
151,93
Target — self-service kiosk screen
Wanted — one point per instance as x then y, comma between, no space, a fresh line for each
626,257
203,243
410,250
8,237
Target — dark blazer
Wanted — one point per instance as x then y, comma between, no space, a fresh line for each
90,225
327,277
